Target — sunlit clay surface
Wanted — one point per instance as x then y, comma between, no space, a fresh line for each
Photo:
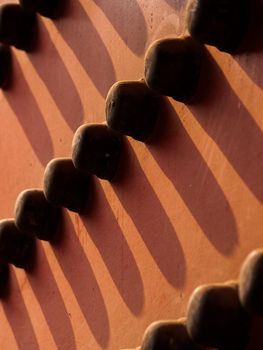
186,209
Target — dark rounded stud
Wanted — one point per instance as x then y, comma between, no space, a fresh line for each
251,283
132,109
5,65
96,149
35,216
46,8
172,67
15,247
215,317
4,279
220,23
168,335
17,26
65,186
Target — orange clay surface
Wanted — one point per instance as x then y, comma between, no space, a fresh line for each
187,208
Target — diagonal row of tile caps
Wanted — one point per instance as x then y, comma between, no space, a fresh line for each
218,315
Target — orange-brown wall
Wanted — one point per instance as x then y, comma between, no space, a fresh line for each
188,208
